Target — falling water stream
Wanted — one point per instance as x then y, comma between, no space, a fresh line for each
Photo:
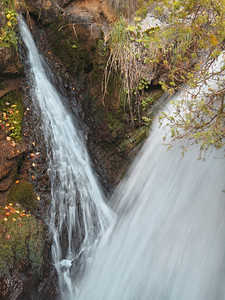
78,214
169,240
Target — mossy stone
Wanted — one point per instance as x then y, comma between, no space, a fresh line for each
21,245
23,193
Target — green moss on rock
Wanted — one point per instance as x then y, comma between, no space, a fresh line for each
70,49
134,139
23,193
21,241
12,111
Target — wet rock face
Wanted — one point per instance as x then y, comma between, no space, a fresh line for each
47,11
9,157
9,62
87,19
8,162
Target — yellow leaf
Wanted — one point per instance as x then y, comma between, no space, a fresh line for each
8,16
9,23
213,40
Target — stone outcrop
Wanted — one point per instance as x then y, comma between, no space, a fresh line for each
9,62
88,19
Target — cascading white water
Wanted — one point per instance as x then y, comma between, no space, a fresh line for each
169,241
78,213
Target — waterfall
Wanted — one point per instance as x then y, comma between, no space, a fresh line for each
78,214
169,240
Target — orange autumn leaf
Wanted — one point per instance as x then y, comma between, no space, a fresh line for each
13,211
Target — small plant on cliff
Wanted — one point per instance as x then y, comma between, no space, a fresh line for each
182,50
12,116
11,122
197,31
123,59
8,35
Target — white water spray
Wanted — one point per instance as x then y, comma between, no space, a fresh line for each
78,214
169,241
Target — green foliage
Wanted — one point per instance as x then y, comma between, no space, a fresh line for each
115,124
198,31
133,139
181,50
8,37
199,118
23,193
142,8
71,50
12,115
143,84
123,59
